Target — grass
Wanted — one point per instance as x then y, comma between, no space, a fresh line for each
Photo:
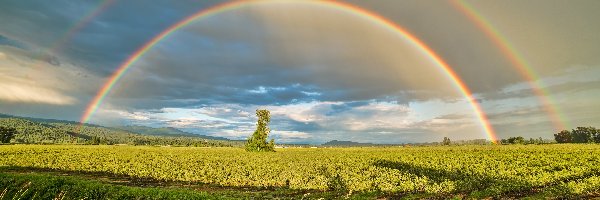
30,183
47,186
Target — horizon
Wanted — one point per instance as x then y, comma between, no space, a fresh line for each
200,134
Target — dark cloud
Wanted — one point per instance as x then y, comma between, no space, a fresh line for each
212,60
11,42
105,41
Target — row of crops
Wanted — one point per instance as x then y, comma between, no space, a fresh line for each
476,171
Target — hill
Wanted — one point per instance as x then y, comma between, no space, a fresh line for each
165,131
43,131
43,120
35,132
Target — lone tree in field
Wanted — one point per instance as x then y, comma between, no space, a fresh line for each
258,141
446,141
6,134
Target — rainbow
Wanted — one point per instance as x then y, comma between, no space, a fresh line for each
517,60
334,5
58,46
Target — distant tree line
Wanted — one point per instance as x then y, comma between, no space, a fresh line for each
447,142
522,140
578,135
512,140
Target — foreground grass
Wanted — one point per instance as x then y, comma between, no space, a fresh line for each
519,171
43,186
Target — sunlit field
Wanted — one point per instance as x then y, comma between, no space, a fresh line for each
411,172
299,99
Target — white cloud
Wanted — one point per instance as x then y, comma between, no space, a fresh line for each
387,119
22,90
27,80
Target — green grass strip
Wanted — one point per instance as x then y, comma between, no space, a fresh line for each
34,186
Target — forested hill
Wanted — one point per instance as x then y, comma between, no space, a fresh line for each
62,132
165,131
42,120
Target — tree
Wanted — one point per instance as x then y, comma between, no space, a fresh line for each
564,136
95,140
516,140
6,134
446,141
583,134
258,141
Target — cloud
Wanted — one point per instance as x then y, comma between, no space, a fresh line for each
552,38
281,58
99,45
570,80
516,110
27,80
18,90
305,122
10,42
34,86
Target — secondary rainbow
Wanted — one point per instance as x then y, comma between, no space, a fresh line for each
517,60
334,5
58,46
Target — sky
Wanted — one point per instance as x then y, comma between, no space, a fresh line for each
324,74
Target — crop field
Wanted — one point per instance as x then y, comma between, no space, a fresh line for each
571,171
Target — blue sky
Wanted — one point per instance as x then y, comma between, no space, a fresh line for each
324,75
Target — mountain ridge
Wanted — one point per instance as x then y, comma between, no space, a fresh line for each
164,131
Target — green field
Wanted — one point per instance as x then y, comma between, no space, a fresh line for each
539,171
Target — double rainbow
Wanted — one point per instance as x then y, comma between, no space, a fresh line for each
517,60
334,6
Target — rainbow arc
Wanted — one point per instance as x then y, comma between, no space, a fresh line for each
525,69
334,6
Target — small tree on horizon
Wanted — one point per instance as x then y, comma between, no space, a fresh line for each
516,140
258,141
6,134
446,141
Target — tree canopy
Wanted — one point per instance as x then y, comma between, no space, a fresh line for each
7,133
578,135
258,141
